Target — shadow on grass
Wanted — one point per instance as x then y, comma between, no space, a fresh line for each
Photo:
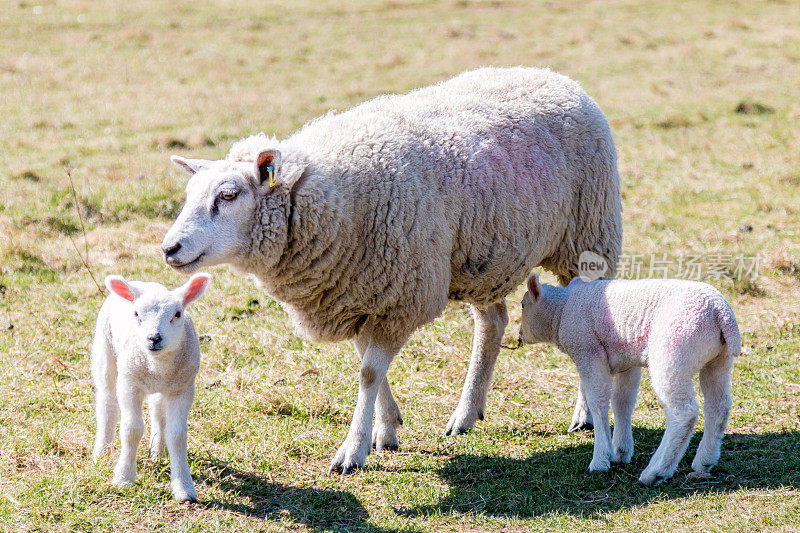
258,497
556,481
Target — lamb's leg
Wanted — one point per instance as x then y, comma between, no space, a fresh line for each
676,393
596,379
490,323
352,454
623,400
387,414
715,382
177,417
158,420
104,375
131,429
581,416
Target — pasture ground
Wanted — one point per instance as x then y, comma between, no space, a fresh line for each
703,101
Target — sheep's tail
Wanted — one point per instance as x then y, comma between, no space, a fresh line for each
729,329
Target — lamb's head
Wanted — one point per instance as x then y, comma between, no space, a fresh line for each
158,314
540,305
230,205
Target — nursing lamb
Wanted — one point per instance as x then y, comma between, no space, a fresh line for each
365,223
611,329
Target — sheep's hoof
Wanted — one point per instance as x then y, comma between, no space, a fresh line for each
596,467
185,495
580,426
461,422
651,480
384,438
343,469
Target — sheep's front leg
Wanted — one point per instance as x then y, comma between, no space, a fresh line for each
623,400
131,429
596,380
104,375
158,420
352,454
490,323
177,418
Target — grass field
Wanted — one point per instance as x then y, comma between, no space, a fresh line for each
703,100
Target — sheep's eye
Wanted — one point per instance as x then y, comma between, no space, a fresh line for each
135,314
228,195
177,314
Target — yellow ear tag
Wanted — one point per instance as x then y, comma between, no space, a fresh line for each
271,175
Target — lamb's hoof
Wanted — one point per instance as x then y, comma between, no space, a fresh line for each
651,479
622,456
461,421
344,468
121,482
185,495
597,466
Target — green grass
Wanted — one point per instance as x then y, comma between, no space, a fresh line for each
703,102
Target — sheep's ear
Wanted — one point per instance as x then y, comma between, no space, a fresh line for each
194,288
267,166
120,287
189,165
533,286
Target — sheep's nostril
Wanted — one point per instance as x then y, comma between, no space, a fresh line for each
154,339
171,250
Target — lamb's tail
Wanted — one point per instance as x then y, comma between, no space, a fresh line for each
729,329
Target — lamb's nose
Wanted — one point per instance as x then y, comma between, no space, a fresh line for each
171,249
154,339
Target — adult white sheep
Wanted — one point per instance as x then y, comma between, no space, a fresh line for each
363,224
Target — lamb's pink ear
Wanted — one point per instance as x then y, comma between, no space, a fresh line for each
533,286
194,288
267,166
120,287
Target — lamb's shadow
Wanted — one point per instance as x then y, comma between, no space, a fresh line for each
257,496
556,481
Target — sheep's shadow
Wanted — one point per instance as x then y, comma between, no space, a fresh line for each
556,481
259,497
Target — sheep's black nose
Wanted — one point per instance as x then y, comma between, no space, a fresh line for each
154,339
172,249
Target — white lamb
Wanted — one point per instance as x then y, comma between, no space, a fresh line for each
145,344
611,329
365,223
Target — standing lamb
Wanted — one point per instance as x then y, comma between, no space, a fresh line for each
611,329
365,223
145,344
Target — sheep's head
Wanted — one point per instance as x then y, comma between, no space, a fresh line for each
158,313
537,319
224,202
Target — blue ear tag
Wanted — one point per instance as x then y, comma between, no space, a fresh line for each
271,174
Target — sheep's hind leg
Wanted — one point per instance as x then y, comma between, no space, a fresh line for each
104,374
676,394
715,382
387,414
353,452
581,416
490,323
623,400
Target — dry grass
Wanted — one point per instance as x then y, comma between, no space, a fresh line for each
702,100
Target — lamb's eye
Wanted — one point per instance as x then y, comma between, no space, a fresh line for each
177,314
135,314
228,195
